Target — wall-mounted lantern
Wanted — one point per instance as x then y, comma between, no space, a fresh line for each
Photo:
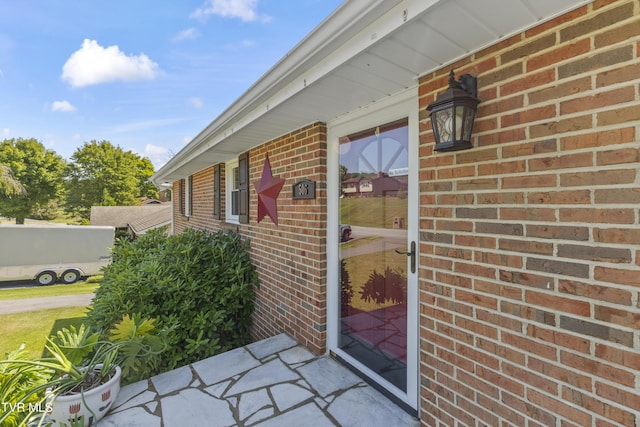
453,113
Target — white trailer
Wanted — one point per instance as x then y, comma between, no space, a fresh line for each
47,254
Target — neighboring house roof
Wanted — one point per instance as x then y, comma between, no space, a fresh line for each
366,50
352,181
161,218
146,216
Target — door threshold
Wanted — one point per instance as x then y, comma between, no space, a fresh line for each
392,397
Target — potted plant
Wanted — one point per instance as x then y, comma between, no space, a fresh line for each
76,383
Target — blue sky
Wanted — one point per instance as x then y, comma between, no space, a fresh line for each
147,75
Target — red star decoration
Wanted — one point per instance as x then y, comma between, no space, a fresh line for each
268,189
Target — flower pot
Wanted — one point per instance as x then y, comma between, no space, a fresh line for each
88,406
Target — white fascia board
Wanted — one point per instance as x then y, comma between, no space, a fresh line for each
378,30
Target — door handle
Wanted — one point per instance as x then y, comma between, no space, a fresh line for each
410,253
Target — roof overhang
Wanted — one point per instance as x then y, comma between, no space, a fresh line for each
364,51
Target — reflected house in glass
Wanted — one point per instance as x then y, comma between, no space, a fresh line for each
355,186
491,277
380,185
389,186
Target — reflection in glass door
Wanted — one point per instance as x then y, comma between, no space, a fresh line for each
374,167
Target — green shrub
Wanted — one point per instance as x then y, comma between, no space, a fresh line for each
16,383
198,283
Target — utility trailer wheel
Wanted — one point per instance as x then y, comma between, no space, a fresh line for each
70,276
46,278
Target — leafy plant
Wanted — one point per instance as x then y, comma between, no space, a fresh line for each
346,289
381,288
77,344
101,174
9,186
16,382
197,282
38,171
77,361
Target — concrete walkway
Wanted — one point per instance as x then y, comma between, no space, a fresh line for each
41,303
271,383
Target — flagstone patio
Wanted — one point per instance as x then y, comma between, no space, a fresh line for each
275,382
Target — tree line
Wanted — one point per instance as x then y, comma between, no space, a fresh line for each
36,182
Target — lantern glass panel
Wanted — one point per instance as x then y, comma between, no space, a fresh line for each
458,121
444,123
468,123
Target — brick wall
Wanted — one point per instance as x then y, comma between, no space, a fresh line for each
202,195
290,257
530,267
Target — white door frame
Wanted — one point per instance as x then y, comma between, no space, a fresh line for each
384,111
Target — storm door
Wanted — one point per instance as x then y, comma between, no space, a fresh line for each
373,206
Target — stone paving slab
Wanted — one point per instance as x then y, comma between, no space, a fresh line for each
274,382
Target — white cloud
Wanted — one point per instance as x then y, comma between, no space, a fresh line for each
157,155
245,10
196,102
155,150
242,45
62,106
49,140
93,64
6,131
188,34
145,125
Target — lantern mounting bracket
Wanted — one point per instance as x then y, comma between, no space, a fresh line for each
467,82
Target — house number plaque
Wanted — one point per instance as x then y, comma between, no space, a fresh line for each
304,189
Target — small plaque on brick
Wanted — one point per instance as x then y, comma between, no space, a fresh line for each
304,189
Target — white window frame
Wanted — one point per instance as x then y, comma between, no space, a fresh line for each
188,183
229,170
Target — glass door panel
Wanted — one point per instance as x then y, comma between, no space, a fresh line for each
373,259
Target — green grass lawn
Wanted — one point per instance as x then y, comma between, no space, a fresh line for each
372,211
359,242
47,291
33,328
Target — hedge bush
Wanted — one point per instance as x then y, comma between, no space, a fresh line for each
198,284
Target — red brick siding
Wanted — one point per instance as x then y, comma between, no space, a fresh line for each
290,257
530,277
202,204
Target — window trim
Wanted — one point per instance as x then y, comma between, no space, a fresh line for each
181,194
243,185
229,189
217,194
242,165
189,196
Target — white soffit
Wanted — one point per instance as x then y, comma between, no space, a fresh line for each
366,50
